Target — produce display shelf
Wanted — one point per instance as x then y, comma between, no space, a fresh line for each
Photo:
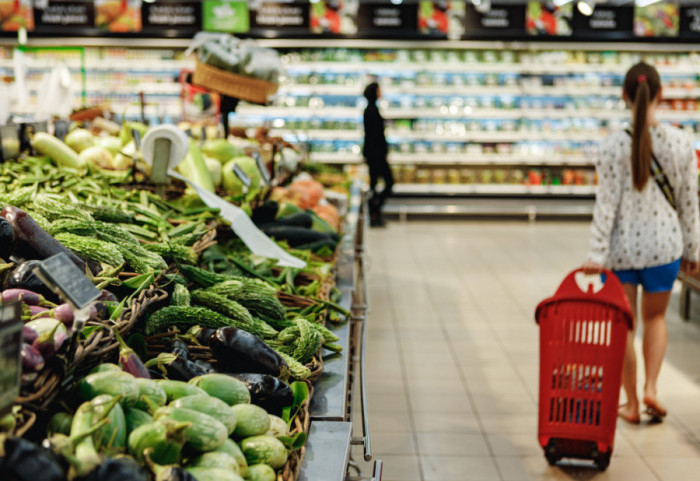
494,189
327,451
109,64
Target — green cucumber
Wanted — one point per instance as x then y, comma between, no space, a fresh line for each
264,449
177,389
261,472
106,367
204,434
216,459
153,391
277,427
86,456
111,438
136,418
232,449
110,382
251,420
165,439
212,406
213,474
227,388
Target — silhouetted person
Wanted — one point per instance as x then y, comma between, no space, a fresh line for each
375,151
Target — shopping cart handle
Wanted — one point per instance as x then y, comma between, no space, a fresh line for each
610,292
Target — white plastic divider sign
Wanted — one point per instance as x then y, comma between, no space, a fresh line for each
243,226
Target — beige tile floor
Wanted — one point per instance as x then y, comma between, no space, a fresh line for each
453,358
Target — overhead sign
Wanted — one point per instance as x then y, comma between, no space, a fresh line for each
333,17
657,20
172,14
53,13
499,20
225,16
16,14
118,16
278,15
387,17
545,19
611,20
690,22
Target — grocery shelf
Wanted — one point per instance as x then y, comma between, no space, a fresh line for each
463,158
130,65
493,189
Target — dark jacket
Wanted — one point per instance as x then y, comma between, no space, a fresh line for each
375,141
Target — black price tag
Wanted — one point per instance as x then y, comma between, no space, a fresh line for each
262,168
137,139
64,278
10,354
60,129
242,176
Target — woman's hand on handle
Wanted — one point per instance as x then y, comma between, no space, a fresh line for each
590,268
690,268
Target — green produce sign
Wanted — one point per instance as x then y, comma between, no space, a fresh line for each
225,16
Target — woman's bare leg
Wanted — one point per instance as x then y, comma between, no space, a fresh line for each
654,345
630,411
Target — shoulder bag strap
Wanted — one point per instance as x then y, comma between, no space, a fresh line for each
660,177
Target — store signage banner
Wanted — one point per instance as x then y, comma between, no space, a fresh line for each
657,20
442,19
499,20
117,16
57,13
16,14
225,16
172,14
690,22
385,16
280,16
617,20
334,17
544,19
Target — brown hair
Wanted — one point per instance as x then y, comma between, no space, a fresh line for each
642,85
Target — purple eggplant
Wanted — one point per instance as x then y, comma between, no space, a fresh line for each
29,335
107,296
30,298
32,360
49,342
38,311
23,277
7,239
129,361
64,313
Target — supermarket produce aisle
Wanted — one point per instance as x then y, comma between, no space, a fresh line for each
453,357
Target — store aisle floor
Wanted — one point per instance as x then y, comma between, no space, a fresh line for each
453,358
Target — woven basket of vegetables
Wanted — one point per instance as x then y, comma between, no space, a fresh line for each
233,85
301,423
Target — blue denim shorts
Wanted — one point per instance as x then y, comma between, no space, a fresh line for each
652,279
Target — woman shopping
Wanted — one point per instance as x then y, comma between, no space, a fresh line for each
645,226
375,151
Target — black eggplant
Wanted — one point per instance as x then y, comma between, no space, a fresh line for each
302,219
175,367
7,239
25,461
23,277
267,391
179,348
265,213
236,350
118,469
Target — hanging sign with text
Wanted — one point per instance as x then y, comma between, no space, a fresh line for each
50,14
280,16
172,14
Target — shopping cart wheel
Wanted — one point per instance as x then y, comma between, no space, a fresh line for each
603,460
551,452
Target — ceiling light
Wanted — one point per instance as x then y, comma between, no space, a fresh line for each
645,3
561,3
586,7
397,2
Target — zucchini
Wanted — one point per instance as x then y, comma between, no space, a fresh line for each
136,418
183,318
212,406
227,388
251,420
165,438
111,382
204,434
261,472
232,449
177,389
213,474
111,437
216,459
60,153
153,391
264,450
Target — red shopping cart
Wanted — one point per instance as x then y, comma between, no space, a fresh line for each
583,332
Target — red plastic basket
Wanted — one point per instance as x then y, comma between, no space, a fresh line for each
582,346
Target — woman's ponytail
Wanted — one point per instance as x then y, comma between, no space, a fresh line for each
642,85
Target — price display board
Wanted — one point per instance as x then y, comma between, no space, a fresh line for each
10,352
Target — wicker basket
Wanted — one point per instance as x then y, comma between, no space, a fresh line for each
292,468
233,85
